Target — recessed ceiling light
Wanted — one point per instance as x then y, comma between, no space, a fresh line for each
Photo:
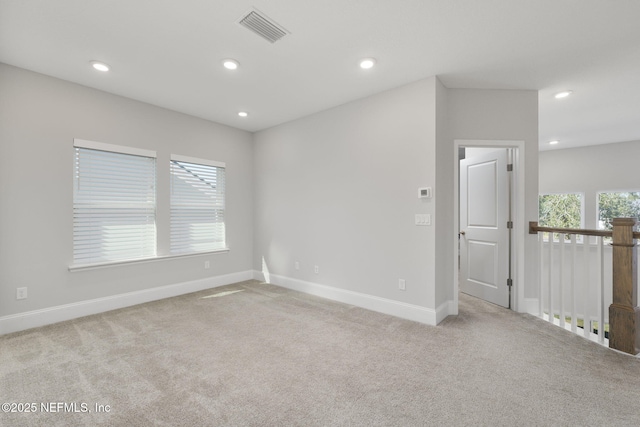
100,66
563,94
367,63
554,142
243,114
230,64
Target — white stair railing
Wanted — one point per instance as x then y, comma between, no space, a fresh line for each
601,282
574,293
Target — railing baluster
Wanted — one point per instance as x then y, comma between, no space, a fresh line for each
561,281
574,294
600,279
550,276
540,272
586,318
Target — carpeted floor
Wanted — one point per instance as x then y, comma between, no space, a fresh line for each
268,356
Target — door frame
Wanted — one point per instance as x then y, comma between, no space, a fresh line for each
518,198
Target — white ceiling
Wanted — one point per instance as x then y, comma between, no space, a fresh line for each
168,53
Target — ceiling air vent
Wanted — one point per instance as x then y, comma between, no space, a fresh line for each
261,25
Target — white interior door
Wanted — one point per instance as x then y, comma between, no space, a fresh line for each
484,234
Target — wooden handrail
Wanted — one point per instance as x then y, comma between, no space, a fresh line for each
534,228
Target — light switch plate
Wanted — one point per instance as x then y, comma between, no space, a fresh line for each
423,219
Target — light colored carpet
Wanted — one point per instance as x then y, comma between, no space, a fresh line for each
268,356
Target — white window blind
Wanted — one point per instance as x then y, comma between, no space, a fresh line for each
114,203
197,205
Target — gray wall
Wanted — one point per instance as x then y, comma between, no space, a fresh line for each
338,189
444,195
589,170
39,118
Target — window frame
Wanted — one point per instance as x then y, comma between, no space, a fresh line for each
162,201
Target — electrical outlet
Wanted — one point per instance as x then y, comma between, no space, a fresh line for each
207,264
21,293
316,269
402,285
297,265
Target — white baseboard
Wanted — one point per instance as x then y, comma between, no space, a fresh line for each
445,309
47,316
382,305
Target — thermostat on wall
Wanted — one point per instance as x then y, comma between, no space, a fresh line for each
424,193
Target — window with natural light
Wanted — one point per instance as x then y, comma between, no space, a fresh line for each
114,203
197,205
560,211
620,204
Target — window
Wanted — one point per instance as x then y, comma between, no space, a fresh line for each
625,204
560,211
197,205
114,203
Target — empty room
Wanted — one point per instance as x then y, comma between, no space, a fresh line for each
303,213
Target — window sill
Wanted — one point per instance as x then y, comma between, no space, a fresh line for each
98,265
